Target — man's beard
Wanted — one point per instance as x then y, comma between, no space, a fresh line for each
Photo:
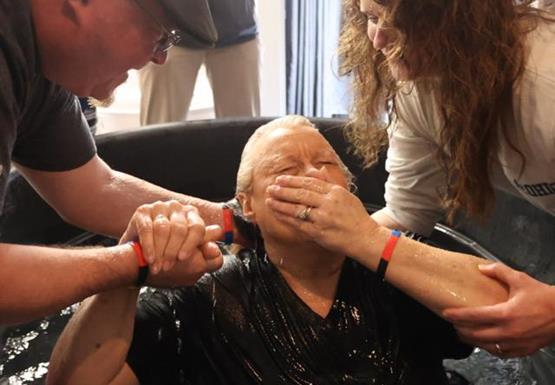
104,103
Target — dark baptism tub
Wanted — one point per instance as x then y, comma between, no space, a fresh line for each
201,159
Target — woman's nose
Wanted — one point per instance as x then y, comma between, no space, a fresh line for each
379,39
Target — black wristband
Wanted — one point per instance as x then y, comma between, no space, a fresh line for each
143,275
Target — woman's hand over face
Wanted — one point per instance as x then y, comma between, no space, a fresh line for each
337,219
168,232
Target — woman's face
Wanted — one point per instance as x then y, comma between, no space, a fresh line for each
300,151
382,38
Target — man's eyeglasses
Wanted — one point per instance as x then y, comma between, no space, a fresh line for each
170,37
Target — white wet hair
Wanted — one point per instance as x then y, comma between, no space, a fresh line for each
248,158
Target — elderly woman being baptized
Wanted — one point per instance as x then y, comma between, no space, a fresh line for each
291,313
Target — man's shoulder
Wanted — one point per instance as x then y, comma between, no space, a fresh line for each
19,55
17,34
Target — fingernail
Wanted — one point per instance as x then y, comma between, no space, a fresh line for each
156,268
183,255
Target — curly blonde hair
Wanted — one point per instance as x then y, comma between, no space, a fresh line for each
475,49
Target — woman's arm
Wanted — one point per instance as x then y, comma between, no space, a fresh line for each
93,347
437,278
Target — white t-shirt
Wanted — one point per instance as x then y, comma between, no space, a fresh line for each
416,180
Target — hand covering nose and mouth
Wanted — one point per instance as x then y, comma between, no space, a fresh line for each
195,18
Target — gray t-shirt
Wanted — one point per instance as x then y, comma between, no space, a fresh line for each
41,124
229,22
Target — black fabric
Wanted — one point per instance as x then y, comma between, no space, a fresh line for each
244,325
41,125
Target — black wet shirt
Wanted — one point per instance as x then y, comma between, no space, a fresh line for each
41,125
244,325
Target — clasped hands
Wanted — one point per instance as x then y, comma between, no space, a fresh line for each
176,243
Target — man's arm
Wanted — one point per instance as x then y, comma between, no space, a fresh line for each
102,200
35,281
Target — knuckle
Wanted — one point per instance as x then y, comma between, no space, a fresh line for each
174,205
197,228
180,228
190,208
335,189
143,227
519,276
161,225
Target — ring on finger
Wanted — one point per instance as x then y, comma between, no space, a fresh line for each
498,349
160,217
304,214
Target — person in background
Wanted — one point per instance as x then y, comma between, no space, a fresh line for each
292,312
231,61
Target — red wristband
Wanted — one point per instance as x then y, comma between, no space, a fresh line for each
228,225
141,262
387,253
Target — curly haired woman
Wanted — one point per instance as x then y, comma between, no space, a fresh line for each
463,92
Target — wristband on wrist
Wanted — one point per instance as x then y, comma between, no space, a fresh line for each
141,262
228,225
387,253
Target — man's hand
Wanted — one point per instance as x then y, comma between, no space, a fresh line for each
518,327
168,232
206,258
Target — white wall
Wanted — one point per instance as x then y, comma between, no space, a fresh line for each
124,113
271,20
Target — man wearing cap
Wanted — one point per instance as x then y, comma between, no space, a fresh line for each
50,51
231,62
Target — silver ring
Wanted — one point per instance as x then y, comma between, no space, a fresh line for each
304,213
498,349
160,217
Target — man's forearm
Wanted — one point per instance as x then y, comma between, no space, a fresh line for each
36,281
109,211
